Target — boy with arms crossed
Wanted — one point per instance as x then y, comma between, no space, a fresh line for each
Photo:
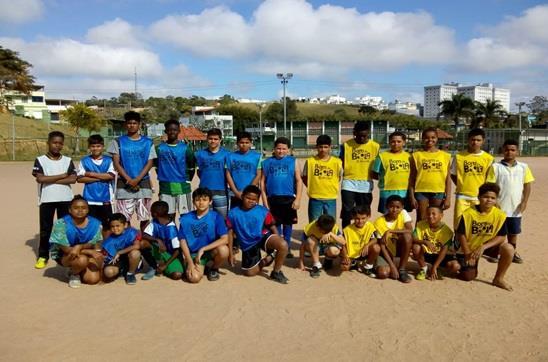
54,174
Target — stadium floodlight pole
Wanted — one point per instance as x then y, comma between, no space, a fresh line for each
261,107
13,135
284,78
519,104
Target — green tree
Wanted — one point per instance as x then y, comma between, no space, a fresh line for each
242,117
538,104
14,75
365,110
489,114
227,99
459,107
275,111
81,116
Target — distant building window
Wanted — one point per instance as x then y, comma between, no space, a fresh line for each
37,99
55,116
25,100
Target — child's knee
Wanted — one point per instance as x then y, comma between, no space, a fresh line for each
375,248
507,249
176,276
453,266
221,252
383,272
91,278
332,252
110,273
80,262
251,272
134,254
468,275
417,250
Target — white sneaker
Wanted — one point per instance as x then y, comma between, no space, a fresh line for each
74,281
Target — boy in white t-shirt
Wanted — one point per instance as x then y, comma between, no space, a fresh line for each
54,174
514,179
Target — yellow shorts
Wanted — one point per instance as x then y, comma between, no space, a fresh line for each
460,206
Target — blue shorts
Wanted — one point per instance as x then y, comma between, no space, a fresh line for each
513,225
317,207
423,196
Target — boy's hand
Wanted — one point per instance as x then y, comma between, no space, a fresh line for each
160,269
413,202
75,251
295,205
115,259
199,255
231,258
476,254
433,274
132,182
365,251
446,203
394,274
429,245
161,245
238,194
521,208
325,238
191,270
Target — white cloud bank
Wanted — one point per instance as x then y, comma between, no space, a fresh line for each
20,11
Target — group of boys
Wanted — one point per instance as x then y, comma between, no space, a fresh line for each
224,216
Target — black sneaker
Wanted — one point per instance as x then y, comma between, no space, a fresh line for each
369,272
130,279
290,255
279,277
517,259
327,264
212,274
315,272
404,276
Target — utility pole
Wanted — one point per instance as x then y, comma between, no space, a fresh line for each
284,79
261,131
13,135
519,104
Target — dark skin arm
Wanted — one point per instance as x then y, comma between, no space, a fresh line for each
524,197
153,240
94,177
447,201
62,179
136,246
433,273
386,255
412,179
75,250
174,256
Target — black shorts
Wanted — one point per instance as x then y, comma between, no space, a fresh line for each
282,210
122,264
513,225
252,256
431,259
101,213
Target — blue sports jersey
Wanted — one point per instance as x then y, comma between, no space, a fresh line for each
279,175
77,235
243,167
211,169
115,243
199,232
98,191
249,225
166,233
172,162
134,154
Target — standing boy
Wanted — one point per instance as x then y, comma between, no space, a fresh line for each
175,168
322,176
54,174
392,168
97,173
515,179
469,171
357,156
211,164
243,168
133,157
281,187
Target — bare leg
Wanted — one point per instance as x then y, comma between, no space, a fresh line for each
418,255
506,254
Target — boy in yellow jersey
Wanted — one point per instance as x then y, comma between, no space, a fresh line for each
469,171
430,182
392,168
322,175
361,248
482,228
394,233
431,240
357,156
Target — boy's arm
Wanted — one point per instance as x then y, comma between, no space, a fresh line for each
118,167
412,179
447,200
75,250
376,168
231,184
387,257
230,243
190,164
170,260
298,187
524,197
144,171
186,254
263,191
304,175
223,240
408,229
453,170
257,178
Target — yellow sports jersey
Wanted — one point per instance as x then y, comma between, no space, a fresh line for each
382,227
323,177
396,168
432,169
313,230
357,238
358,159
480,228
471,170
439,237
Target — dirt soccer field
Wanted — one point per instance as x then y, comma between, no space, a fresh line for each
335,317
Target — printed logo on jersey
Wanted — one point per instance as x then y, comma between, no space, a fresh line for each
241,166
278,170
473,167
198,229
360,155
398,165
482,228
213,164
433,240
432,165
323,171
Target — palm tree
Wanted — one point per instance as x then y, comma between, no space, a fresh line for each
490,113
457,108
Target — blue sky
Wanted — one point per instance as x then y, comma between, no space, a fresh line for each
209,48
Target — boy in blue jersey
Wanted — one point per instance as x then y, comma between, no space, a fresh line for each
175,169
256,229
243,168
97,173
281,187
203,238
133,157
211,164
160,236
121,250
73,242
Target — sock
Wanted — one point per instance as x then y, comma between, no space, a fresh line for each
288,230
425,268
129,273
318,265
368,266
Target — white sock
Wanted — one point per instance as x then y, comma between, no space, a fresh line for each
318,265
425,268
368,266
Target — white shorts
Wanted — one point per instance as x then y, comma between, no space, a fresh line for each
128,207
178,203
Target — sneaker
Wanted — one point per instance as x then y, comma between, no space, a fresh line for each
404,277
327,264
290,255
74,281
491,259
315,272
41,263
517,259
421,275
149,274
369,272
212,274
279,277
130,279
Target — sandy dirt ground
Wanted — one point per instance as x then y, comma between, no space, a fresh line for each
334,317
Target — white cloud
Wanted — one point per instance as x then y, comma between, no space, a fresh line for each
20,11
117,32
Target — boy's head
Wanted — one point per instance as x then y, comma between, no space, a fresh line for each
325,223
434,214
132,121
202,198
323,145
159,209
394,205
56,141
96,145
476,137
510,150
361,131
214,137
172,129
244,141
79,207
250,197
430,137
281,147
487,195
361,214
117,223
396,141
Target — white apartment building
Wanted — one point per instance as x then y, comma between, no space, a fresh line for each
372,101
335,99
31,105
409,108
434,94
208,117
